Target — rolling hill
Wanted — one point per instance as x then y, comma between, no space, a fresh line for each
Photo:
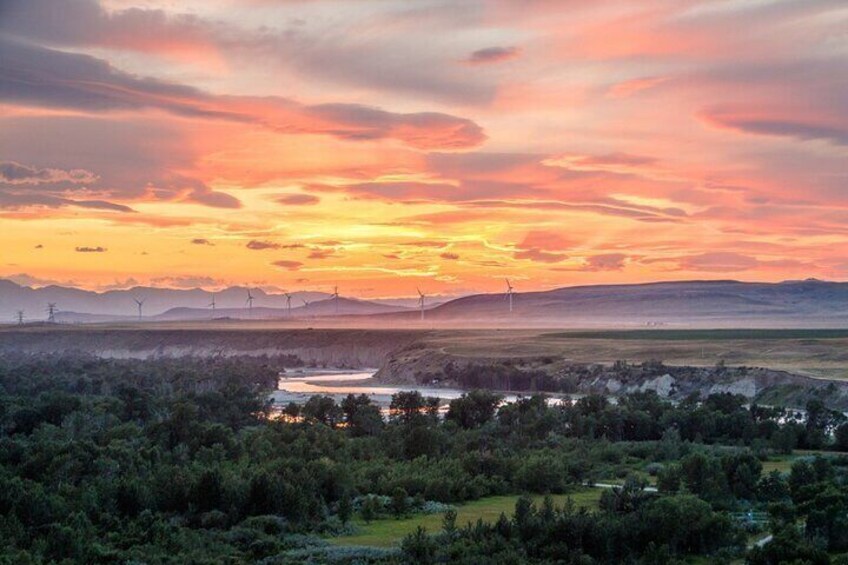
706,303
320,308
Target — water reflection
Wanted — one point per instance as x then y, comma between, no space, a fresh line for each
299,387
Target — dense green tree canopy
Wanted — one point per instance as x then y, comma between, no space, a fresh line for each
186,460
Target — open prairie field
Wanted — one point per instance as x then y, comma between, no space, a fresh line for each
815,353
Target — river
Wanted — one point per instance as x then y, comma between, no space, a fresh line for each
298,387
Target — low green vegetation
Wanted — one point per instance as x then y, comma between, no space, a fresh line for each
779,463
389,532
186,461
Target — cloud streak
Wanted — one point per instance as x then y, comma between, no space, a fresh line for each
490,55
54,79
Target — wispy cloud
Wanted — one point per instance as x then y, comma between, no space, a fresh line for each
489,55
56,79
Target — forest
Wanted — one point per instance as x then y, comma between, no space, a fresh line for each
188,461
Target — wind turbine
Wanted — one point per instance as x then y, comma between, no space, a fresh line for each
306,304
140,303
509,292
212,304
51,312
20,317
336,297
288,303
421,297
249,303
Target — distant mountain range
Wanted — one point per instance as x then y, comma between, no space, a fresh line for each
76,305
684,303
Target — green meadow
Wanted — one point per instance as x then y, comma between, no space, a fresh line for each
389,531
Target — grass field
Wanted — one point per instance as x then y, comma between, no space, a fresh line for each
389,531
821,353
704,334
782,463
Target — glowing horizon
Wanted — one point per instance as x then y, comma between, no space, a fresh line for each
385,146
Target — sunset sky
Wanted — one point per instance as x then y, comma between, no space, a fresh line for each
384,145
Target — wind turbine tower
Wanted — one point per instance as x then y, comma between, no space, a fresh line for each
139,302
509,293
20,317
421,297
51,312
306,306
336,298
212,304
288,304
249,303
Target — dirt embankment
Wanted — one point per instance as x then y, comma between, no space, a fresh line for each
337,348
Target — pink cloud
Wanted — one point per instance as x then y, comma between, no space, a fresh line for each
606,262
628,88
79,82
546,240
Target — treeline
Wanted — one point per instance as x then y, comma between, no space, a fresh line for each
656,530
721,418
81,373
185,461
807,511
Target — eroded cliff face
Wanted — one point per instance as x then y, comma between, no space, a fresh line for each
419,365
